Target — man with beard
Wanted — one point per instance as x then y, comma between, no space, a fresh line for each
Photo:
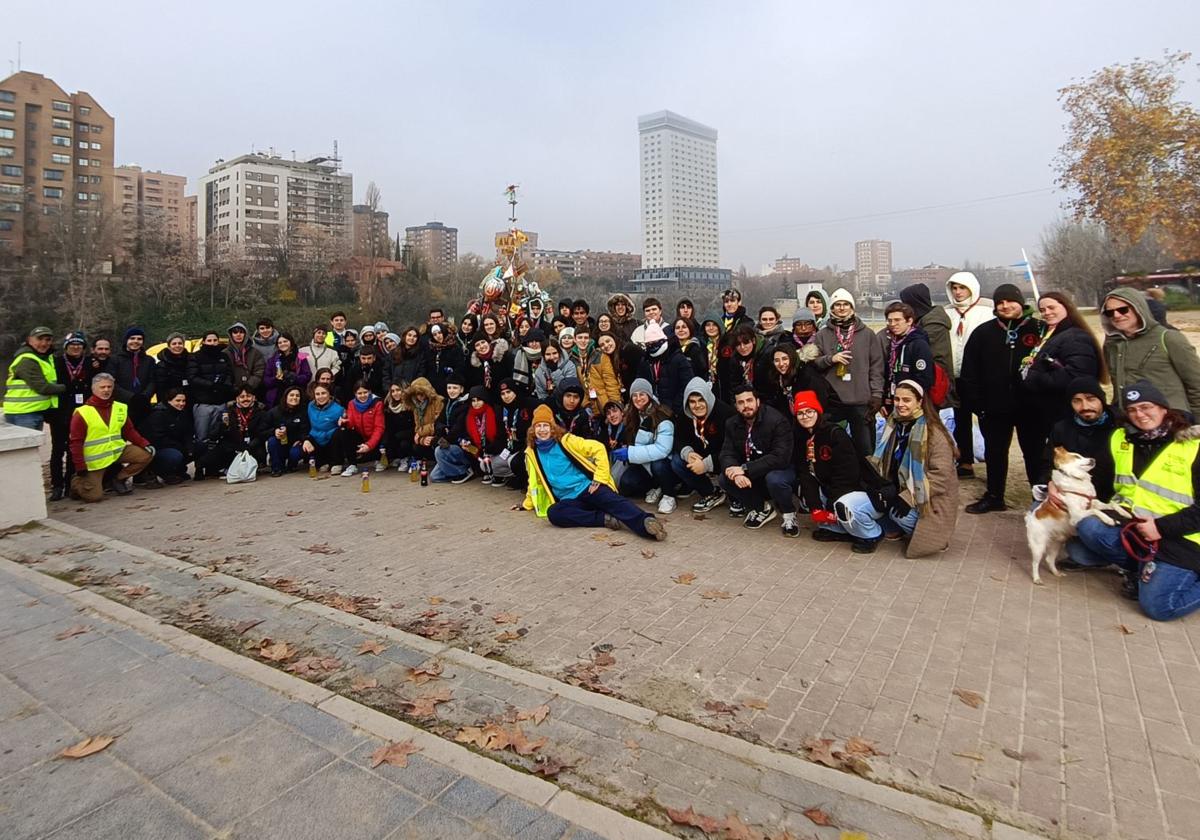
620,309
101,359
756,461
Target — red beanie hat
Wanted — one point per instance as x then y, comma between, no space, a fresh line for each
806,399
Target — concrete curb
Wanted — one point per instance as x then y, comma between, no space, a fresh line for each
911,805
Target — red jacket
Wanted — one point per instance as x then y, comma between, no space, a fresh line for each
79,430
369,424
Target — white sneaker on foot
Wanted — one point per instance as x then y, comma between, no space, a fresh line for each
666,504
335,470
654,495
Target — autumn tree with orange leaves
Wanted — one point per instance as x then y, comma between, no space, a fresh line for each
1131,160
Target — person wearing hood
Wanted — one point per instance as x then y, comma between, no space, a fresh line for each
570,483
649,439
134,371
1137,347
106,448
289,428
444,357
210,386
453,462
483,431
1156,457
733,314
265,338
852,360
347,350
490,363
665,367
363,429
551,373
967,312
570,412
408,359
738,363
367,337
836,484
711,335
389,342
321,355
756,461
621,308
514,415
907,353
366,367
699,437
168,427
594,370
245,429
248,365
527,359
426,405
817,302
73,371
171,367
286,367
936,324
990,387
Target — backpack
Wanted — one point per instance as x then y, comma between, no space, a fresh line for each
940,391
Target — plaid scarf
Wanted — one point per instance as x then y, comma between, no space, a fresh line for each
911,472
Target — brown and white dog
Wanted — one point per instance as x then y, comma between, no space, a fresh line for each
1047,527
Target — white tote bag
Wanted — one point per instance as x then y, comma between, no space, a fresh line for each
243,468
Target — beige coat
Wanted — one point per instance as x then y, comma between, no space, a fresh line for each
936,527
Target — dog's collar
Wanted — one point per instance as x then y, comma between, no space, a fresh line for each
1089,497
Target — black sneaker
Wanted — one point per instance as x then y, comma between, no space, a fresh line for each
1129,586
464,478
986,504
864,546
57,494
758,518
825,535
966,471
736,508
790,529
709,502
122,487
611,522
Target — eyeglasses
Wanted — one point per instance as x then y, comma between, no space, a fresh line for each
807,412
1116,310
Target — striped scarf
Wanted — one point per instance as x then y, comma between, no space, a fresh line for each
911,472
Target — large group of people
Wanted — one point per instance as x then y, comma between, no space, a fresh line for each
584,409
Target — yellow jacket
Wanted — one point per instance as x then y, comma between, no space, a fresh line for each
589,455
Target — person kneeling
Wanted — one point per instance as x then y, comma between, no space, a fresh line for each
756,461
105,446
570,483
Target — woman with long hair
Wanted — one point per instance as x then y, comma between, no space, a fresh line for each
285,368
689,345
468,327
289,428
408,358
917,461
649,440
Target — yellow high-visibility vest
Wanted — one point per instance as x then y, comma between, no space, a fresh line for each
103,444
1164,487
19,398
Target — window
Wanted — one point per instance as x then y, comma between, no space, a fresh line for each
52,192
6,224
7,115
81,179
10,189
59,140
95,162
11,171
95,179
7,151
52,174
82,144
96,146
59,122
57,158
82,162
82,128
80,196
97,129
84,110
7,134
10,206
65,107
7,96
94,196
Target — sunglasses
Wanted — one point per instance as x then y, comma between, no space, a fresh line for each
1116,310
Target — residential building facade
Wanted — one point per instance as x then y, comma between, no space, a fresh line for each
254,205
371,237
435,244
678,159
789,265
56,155
149,203
873,265
934,276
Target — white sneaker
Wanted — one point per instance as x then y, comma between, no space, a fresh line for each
335,470
654,495
666,504
402,465
350,470
379,467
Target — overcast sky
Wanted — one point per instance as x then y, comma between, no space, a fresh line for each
831,119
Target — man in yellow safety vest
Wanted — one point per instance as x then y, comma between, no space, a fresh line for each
32,388
105,446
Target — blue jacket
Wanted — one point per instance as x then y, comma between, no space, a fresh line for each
323,422
652,446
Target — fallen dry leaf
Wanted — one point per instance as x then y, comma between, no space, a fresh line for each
430,614
972,698
974,756
371,646
506,618
717,707
601,537
754,703
314,666
861,746
321,548
294,513
685,578
604,659
647,553
1124,628
522,745
707,824
508,636
1013,754
363,683
203,573
616,543
426,705
88,746
550,767
395,753
486,531
820,750
77,630
631,744
134,591
242,626
275,652
537,714
434,600
735,829
715,594
425,672
818,816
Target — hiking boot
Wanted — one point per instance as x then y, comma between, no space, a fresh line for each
864,546
736,508
666,504
611,522
709,502
654,495
57,494
655,528
464,478
758,518
986,504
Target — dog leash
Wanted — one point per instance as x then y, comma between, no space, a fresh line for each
1136,546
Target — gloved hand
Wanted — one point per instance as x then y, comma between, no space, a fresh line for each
621,453
882,499
151,450
823,517
900,508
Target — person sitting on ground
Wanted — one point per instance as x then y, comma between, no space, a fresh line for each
570,411
483,431
454,463
106,448
1137,347
366,367
246,429
397,428
1156,455
168,427
426,405
594,370
514,415
550,374
649,440
917,460
210,386
286,367
837,485
289,429
322,447
363,428
756,461
699,437
319,354
570,483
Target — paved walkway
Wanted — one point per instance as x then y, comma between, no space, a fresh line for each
201,751
1088,724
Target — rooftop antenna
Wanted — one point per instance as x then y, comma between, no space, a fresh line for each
337,162
510,193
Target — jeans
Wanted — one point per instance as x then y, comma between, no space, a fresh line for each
31,420
702,484
281,458
1097,544
169,462
639,479
859,518
776,484
587,510
452,462
1166,592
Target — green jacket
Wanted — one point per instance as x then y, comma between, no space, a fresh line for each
1161,356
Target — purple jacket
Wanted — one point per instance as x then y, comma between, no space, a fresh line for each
295,372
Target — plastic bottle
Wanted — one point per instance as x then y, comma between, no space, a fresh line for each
383,459
283,441
366,481
312,467
412,476
424,474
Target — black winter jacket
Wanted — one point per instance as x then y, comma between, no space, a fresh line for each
1089,441
990,381
131,388
1068,354
669,374
210,378
167,427
913,360
294,420
171,371
835,469
769,440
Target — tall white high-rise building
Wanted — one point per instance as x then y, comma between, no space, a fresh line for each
679,192
873,265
